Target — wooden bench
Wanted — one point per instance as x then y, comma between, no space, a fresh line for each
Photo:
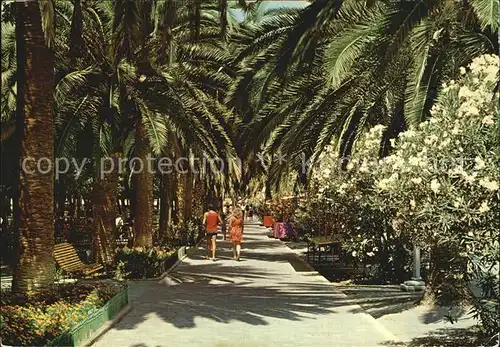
321,246
67,258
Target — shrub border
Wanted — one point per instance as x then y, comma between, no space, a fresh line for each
85,331
168,265
181,253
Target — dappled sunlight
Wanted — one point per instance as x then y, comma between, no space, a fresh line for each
262,291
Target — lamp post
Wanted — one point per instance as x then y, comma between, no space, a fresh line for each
416,283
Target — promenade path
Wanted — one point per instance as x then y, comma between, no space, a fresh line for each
270,298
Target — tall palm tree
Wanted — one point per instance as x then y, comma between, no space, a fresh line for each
35,267
177,97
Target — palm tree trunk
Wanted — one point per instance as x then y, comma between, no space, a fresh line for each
196,19
198,198
104,205
35,268
143,190
181,185
188,195
223,18
165,203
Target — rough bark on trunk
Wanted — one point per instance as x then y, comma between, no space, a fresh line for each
223,18
198,198
35,268
174,198
188,196
143,191
104,206
165,203
181,185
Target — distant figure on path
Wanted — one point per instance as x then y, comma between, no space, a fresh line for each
225,216
250,212
211,219
247,209
236,233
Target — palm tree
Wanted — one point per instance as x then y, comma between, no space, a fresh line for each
88,123
35,267
177,97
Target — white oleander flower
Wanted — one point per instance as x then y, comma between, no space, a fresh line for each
488,120
488,184
417,180
394,177
435,185
370,254
491,73
412,203
382,184
462,70
473,110
445,143
469,178
484,207
414,161
464,92
480,164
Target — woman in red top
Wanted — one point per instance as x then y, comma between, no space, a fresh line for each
211,219
236,233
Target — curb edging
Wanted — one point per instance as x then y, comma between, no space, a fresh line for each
107,326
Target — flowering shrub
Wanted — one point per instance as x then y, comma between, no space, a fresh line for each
439,188
38,321
281,209
139,262
441,183
262,209
345,186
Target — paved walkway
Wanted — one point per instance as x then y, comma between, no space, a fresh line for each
270,298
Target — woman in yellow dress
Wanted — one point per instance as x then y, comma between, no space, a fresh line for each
236,233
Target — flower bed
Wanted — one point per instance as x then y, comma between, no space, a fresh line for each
41,321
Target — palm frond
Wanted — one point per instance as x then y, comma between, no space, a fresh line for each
487,12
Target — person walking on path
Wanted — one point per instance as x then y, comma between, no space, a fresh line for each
211,219
236,233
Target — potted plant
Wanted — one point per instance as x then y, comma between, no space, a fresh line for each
265,212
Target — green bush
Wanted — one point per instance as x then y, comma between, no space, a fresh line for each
36,321
140,262
177,235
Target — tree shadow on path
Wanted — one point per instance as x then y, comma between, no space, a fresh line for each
448,338
224,294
